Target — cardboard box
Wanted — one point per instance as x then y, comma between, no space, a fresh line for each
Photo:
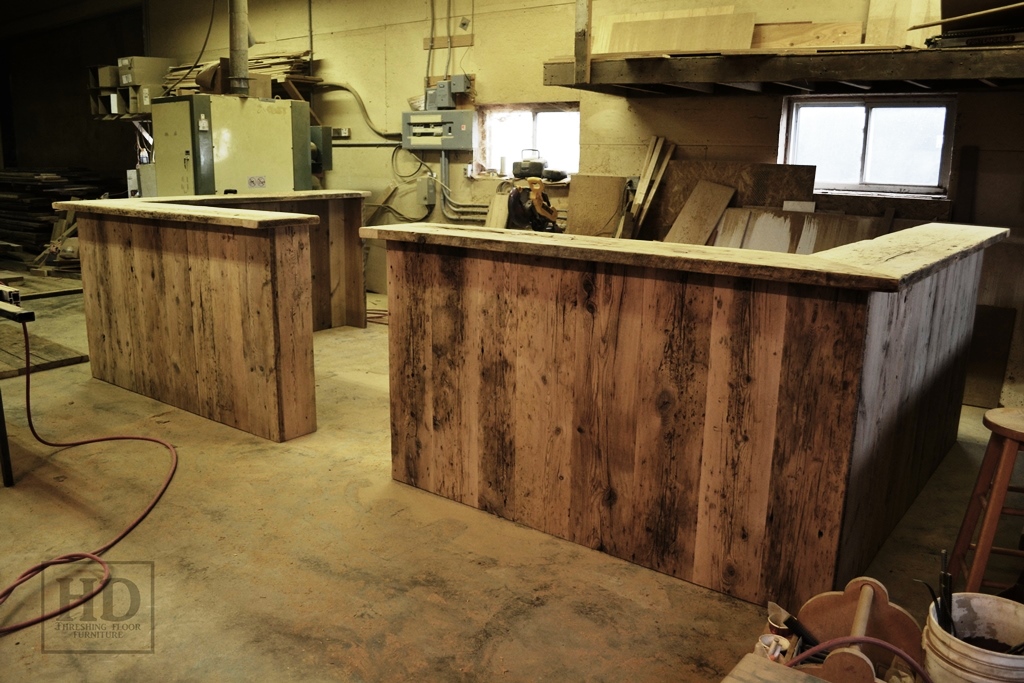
140,97
103,76
139,70
215,81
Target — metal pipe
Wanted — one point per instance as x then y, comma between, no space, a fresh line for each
238,79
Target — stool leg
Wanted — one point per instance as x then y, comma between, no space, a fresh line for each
996,499
970,524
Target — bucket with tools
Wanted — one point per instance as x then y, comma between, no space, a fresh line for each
987,628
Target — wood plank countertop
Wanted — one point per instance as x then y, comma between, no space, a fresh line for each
189,213
887,264
261,198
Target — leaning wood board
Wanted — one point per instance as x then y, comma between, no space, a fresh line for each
686,34
714,427
764,185
700,214
216,320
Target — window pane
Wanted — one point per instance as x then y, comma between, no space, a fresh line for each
831,138
905,145
508,133
558,139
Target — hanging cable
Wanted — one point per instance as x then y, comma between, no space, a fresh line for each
213,7
95,555
362,109
407,177
448,29
430,50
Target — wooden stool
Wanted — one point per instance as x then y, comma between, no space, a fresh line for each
1007,426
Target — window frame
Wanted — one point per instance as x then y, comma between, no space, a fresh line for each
479,155
787,142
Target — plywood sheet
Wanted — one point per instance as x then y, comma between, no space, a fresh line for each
773,231
762,185
601,28
836,230
595,204
732,228
688,34
699,216
497,211
806,34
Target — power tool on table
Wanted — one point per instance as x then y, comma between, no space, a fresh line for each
529,206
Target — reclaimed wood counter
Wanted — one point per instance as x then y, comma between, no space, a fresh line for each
336,252
751,422
204,307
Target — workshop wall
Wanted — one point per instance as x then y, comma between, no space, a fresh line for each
376,46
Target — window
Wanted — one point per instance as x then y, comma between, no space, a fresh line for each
515,132
882,144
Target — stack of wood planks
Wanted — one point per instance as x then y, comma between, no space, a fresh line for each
26,197
291,66
707,216
728,28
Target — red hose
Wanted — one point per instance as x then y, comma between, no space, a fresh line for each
862,640
93,556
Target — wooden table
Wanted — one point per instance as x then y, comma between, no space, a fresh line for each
752,422
211,308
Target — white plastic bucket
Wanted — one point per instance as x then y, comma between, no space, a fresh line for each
950,660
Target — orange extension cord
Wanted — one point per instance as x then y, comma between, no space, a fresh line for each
93,556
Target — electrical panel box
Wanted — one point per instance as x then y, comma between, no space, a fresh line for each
425,191
451,129
443,98
212,144
461,83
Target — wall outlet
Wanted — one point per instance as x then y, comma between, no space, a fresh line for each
342,133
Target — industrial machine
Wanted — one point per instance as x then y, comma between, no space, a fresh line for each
217,144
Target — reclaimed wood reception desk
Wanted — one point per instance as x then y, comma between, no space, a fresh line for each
751,422
210,307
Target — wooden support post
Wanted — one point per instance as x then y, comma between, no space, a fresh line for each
582,46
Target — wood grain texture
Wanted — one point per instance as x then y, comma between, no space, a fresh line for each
739,433
884,264
806,34
333,216
44,354
216,321
761,185
915,357
700,214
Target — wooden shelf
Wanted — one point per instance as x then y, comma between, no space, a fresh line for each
841,70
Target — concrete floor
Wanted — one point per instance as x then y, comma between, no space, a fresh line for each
304,561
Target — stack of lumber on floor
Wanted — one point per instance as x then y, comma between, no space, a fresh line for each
767,207
292,67
724,29
27,217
